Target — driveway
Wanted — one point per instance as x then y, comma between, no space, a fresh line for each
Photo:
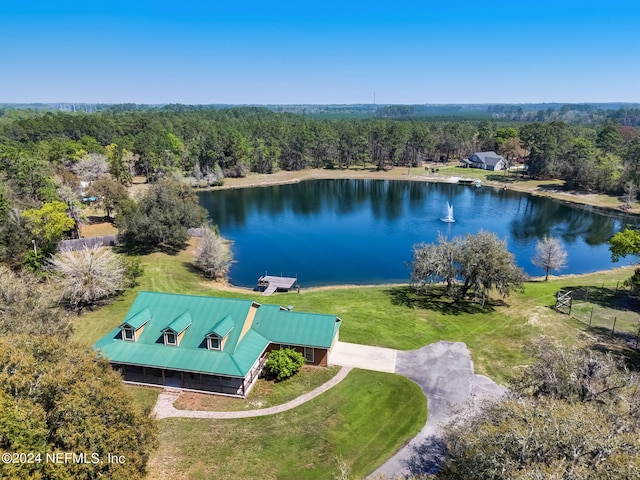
444,371
363,356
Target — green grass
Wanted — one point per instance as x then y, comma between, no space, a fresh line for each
264,394
385,316
146,397
362,421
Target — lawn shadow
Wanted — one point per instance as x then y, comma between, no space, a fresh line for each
142,250
434,298
609,297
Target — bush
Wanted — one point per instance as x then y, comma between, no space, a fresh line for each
283,364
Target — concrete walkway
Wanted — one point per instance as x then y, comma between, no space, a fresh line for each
164,406
444,371
364,356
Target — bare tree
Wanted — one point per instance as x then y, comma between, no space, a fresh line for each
88,275
213,256
630,194
91,167
550,255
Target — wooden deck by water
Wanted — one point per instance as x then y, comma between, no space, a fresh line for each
271,283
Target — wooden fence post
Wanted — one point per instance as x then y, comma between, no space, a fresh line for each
613,329
591,317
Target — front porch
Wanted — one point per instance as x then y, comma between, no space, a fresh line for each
196,381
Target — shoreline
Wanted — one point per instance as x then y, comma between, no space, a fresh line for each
229,287
283,177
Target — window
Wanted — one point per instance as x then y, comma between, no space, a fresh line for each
308,354
213,342
128,334
170,338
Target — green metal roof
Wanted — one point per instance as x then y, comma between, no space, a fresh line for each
223,327
227,315
296,328
180,323
137,320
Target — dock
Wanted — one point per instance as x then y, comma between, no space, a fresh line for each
272,283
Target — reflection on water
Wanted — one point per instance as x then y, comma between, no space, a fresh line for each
362,231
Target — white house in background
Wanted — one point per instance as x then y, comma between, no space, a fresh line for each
488,161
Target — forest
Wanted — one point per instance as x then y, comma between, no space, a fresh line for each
53,156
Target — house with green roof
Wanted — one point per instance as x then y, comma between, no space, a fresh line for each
211,344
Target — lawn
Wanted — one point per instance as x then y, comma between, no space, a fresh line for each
361,421
387,316
264,394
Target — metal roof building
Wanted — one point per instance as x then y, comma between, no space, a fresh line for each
209,343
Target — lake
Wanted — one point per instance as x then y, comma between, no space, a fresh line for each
330,232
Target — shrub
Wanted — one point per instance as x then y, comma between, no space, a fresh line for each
283,364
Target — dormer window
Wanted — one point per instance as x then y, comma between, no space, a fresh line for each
128,333
217,336
170,338
131,329
172,335
213,342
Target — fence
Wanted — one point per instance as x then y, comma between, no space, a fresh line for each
605,308
80,243
108,240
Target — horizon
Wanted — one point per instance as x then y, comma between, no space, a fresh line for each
403,53
162,104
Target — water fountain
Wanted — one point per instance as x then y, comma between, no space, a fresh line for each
449,218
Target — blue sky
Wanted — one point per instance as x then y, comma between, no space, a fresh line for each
319,52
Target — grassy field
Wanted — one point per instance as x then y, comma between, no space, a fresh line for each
361,421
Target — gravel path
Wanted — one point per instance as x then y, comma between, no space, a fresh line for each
164,406
444,371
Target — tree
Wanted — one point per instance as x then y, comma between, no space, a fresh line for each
15,238
436,262
630,194
520,439
626,242
477,263
283,363
109,192
50,222
213,256
574,414
30,306
60,397
609,138
550,255
511,150
89,275
91,167
161,217
119,160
